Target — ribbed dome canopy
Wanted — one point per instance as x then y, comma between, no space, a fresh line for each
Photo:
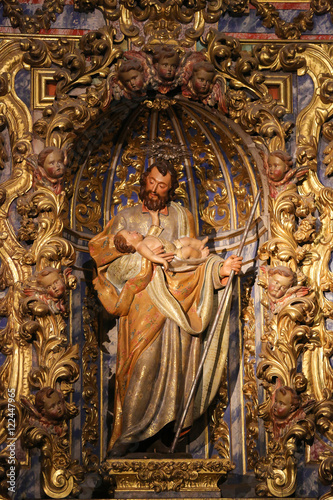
219,177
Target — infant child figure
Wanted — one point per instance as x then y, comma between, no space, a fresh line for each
285,411
51,169
131,75
201,82
166,62
282,286
54,288
280,171
49,410
279,163
50,404
184,248
280,279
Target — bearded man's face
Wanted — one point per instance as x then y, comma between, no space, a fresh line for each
156,193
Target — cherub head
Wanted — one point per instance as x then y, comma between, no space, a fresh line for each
52,280
279,163
286,402
166,61
131,75
52,161
126,241
50,404
280,279
202,78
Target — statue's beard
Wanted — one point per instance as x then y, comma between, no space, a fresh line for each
154,204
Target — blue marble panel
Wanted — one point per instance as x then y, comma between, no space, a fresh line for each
253,24
4,21
322,25
71,19
23,86
307,479
321,167
28,481
305,90
248,24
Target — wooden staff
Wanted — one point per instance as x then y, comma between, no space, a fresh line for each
212,329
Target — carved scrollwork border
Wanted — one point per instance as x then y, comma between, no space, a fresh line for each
34,341
163,22
295,342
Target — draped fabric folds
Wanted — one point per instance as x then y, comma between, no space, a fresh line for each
163,317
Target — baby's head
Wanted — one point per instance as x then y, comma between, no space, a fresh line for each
131,76
202,77
51,404
166,61
279,163
126,241
280,279
52,160
53,281
286,402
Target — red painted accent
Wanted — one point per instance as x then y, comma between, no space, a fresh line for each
265,36
50,89
287,6
64,31
274,91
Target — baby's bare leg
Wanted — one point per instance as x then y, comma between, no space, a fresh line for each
189,252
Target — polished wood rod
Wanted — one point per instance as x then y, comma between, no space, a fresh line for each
213,327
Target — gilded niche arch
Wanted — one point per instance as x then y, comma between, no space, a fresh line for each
219,177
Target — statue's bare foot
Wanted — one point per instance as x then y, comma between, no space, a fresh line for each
204,252
203,243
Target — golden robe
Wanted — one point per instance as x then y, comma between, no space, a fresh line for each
161,319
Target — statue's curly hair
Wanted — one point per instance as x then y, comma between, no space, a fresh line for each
121,244
46,152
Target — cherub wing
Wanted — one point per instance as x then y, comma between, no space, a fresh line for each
32,160
264,153
263,277
69,278
218,94
32,410
114,88
30,291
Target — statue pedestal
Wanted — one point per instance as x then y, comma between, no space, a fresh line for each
178,478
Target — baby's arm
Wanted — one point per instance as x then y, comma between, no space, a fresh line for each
145,251
155,219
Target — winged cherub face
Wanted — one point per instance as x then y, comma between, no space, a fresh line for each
133,80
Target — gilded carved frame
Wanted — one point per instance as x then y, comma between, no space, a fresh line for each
305,335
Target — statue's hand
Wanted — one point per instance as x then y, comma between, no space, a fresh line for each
165,264
168,256
160,252
232,263
159,259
